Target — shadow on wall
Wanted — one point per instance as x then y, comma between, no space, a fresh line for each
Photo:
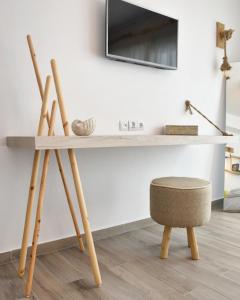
218,153
96,19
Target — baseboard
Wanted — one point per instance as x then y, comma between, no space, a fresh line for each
217,204
54,246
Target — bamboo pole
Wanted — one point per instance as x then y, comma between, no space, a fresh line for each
57,153
33,180
69,201
28,288
35,65
77,180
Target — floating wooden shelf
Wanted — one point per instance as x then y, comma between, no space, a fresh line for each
114,141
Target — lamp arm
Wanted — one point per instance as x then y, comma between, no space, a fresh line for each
189,106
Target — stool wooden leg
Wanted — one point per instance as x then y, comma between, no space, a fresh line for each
188,239
193,243
165,242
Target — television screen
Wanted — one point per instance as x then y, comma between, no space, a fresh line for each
138,35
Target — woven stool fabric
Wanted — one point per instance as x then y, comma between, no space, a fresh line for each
180,201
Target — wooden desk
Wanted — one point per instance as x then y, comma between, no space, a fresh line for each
42,143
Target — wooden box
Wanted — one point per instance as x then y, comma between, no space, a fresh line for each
181,130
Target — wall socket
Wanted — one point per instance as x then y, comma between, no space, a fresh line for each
131,125
135,125
123,125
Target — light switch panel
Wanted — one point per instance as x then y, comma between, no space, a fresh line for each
123,125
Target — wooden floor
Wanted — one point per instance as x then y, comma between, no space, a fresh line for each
131,268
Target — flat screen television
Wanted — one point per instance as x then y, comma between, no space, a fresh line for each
138,35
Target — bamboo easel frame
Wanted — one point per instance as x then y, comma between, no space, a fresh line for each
44,117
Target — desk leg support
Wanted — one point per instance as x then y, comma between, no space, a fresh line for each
84,215
32,187
69,201
28,288
26,230
76,178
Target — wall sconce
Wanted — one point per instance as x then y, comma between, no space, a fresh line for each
222,37
189,107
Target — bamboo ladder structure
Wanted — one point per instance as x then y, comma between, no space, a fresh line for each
44,116
35,168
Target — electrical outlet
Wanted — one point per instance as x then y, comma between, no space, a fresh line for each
132,125
123,125
141,126
135,125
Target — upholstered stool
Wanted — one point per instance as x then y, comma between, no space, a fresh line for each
180,202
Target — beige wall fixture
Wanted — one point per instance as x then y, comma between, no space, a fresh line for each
223,36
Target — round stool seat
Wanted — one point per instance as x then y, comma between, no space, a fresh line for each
180,201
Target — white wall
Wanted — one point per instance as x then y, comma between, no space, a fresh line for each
115,181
